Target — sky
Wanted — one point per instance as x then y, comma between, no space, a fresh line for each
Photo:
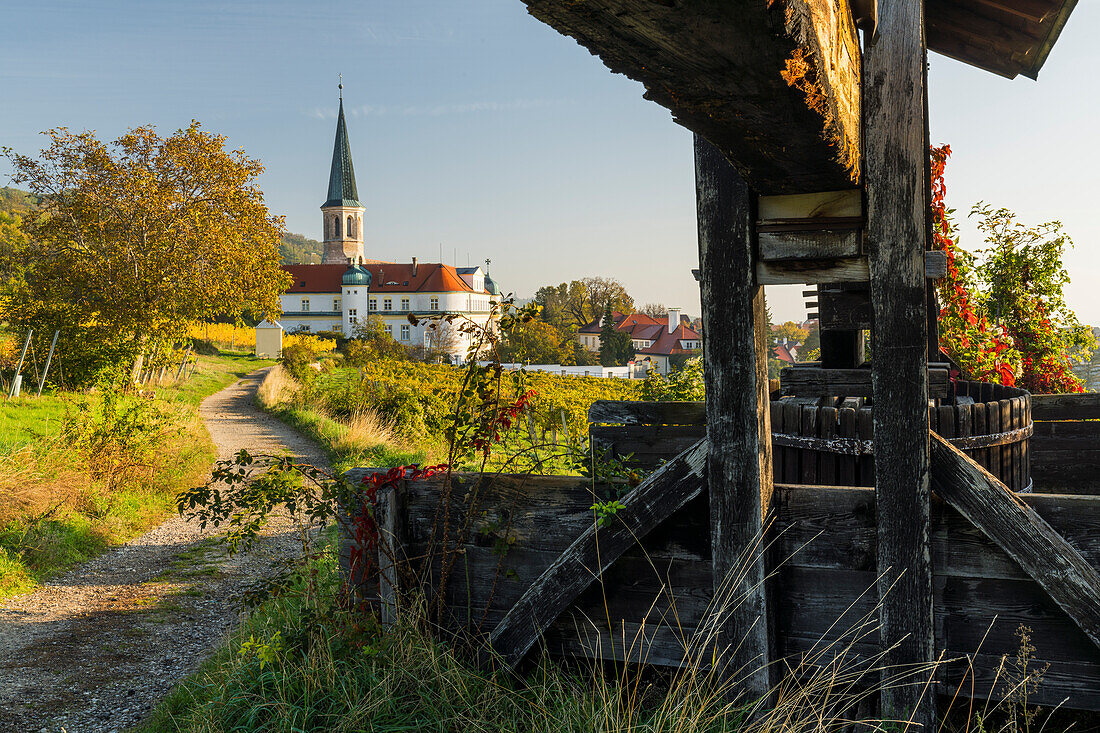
479,133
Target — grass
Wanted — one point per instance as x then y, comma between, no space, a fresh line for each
63,502
365,440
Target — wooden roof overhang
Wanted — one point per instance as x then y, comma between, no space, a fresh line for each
775,84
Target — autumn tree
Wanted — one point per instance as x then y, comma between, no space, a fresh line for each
534,342
1023,275
654,310
580,302
137,239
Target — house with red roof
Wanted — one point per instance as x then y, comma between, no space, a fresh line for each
655,341
347,288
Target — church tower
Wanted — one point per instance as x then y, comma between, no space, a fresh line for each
342,212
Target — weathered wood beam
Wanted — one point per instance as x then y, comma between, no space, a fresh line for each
844,308
896,239
739,467
647,413
809,245
817,382
1084,406
835,270
827,205
774,85
1044,555
654,500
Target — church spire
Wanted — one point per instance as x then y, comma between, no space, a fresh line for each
341,178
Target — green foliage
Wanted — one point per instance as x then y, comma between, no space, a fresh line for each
1023,276
298,249
684,384
536,342
605,510
579,302
616,348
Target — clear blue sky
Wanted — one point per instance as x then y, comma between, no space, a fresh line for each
476,128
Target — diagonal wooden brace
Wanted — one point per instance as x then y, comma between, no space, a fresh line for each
644,508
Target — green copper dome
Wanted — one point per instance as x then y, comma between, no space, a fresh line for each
491,286
357,275
341,177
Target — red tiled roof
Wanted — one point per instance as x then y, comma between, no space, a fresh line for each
669,343
783,354
386,277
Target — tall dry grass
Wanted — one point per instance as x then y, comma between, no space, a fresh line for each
278,388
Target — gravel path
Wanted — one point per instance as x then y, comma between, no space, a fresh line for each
95,649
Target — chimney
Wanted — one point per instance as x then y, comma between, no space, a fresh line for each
673,319
414,267
360,259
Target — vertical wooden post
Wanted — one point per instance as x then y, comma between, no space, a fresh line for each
897,199
739,470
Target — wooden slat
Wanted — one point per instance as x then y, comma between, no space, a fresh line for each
647,413
811,206
712,64
835,270
844,309
805,381
1044,554
809,245
895,137
647,445
739,465
646,506
1084,406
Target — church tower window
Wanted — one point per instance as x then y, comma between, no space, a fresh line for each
351,227
336,228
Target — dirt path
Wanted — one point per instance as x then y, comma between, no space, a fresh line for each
95,649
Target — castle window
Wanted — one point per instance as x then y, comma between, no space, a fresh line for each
305,305
336,304
404,333
351,227
353,315
389,331
404,304
336,228
387,304
372,304
435,303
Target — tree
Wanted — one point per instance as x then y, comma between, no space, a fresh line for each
654,310
138,239
791,331
534,342
615,346
580,302
1023,274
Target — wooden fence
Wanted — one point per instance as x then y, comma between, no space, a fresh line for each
1065,449
649,600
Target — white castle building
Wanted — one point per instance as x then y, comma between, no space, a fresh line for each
347,287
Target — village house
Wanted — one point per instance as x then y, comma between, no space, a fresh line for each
347,287
655,341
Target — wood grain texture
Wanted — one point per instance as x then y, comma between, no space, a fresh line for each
895,123
1043,554
809,245
1084,406
647,413
592,552
811,206
810,381
775,86
739,468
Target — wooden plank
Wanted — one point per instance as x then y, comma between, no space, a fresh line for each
643,508
827,429
778,452
647,413
806,381
647,445
739,468
712,64
846,468
1042,553
834,270
809,245
391,552
1085,406
811,206
895,130
796,272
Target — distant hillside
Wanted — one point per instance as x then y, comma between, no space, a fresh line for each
296,249
15,201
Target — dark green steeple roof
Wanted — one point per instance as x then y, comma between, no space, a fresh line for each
341,178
